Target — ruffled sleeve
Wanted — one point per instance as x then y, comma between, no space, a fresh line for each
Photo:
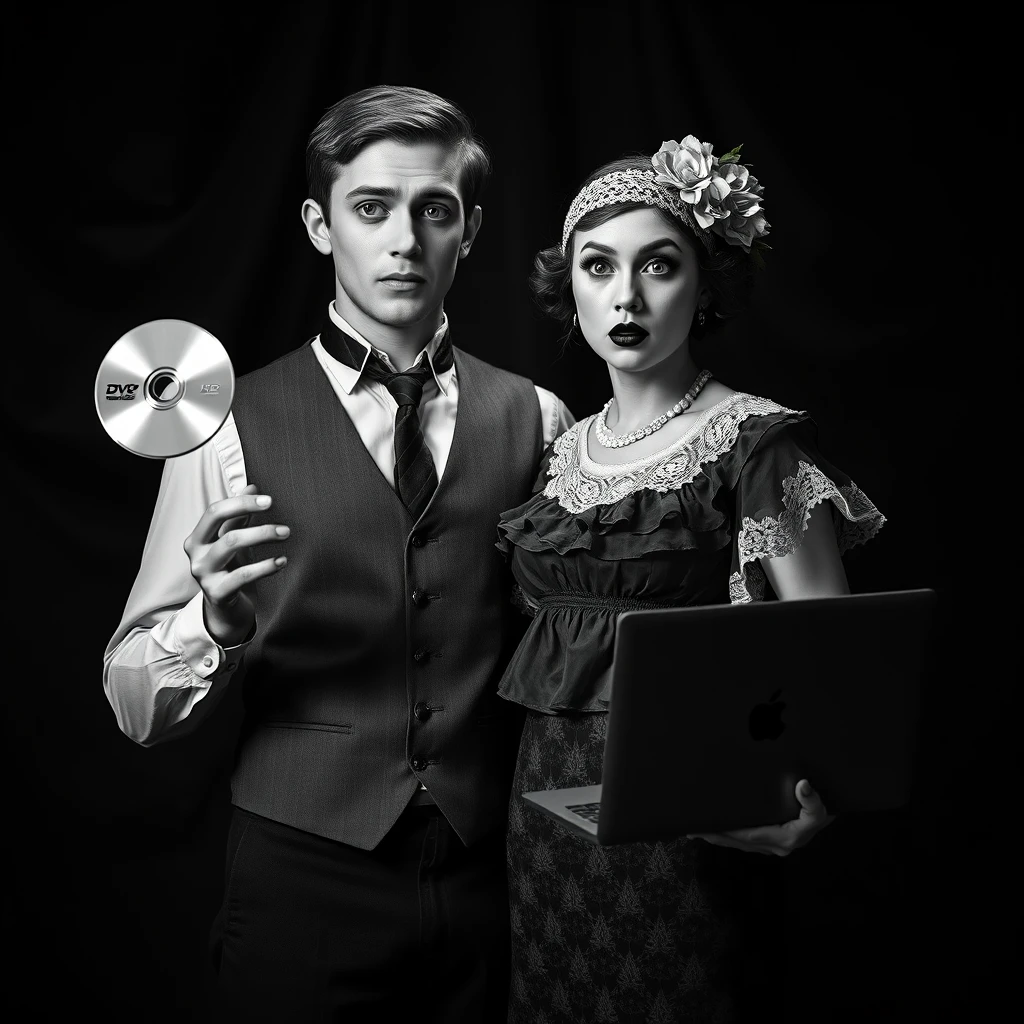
781,480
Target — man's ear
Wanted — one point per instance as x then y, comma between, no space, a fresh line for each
469,234
316,226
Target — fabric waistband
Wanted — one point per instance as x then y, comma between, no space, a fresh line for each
573,599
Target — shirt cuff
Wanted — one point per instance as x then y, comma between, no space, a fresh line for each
202,654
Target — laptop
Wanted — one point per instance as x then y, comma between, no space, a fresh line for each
717,712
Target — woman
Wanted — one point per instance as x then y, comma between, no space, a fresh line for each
680,491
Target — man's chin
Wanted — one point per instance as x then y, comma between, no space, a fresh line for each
402,312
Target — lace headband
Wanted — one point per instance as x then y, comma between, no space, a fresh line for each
711,195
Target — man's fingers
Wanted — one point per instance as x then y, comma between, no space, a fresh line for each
223,591
237,524
209,526
219,554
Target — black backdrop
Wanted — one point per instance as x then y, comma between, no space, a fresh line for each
154,169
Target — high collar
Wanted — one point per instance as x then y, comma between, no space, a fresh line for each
348,377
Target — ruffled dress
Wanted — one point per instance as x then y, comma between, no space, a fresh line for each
661,931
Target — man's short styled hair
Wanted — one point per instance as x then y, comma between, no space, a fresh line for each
401,113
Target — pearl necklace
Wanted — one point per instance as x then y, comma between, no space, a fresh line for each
609,440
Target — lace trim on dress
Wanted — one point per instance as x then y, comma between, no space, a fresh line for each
774,537
578,488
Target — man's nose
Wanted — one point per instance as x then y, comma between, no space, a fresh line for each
404,242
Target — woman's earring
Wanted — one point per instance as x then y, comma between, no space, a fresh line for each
701,316
575,323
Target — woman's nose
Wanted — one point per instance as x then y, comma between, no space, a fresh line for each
629,298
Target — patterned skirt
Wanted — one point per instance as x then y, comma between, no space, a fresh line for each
638,932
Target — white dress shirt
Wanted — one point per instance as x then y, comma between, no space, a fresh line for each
162,671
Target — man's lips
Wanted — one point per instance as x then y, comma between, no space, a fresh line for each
402,282
627,335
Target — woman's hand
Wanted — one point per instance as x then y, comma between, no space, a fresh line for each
780,840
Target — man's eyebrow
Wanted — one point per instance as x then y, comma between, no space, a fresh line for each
440,192
384,191
387,192
658,243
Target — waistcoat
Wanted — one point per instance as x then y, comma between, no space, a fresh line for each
379,646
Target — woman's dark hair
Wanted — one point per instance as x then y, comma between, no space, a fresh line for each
396,112
728,271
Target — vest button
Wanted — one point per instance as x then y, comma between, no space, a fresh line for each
419,764
417,540
422,712
421,655
419,598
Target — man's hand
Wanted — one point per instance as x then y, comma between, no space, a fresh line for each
212,548
780,840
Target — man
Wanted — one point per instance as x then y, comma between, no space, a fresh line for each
339,552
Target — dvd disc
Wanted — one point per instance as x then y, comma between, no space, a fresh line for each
164,388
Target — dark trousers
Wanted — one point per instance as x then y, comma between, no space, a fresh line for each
312,930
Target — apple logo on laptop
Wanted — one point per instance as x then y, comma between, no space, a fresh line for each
766,719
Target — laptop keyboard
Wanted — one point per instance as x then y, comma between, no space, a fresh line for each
588,811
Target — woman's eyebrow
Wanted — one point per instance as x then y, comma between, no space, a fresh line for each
609,251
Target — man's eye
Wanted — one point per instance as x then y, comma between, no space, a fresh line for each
436,212
373,210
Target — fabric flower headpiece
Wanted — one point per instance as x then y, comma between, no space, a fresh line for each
711,195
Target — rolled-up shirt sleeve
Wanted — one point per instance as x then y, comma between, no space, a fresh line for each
162,671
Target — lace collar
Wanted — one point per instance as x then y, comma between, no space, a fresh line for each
579,483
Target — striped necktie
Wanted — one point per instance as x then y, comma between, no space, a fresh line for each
415,475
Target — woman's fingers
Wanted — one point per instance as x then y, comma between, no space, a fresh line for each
814,814
726,839
811,804
778,839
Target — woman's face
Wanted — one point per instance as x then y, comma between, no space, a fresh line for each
636,282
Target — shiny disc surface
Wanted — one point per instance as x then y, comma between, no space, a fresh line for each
164,388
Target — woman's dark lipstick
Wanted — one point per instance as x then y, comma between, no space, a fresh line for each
627,335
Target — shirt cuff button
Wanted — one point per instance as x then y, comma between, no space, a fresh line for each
208,661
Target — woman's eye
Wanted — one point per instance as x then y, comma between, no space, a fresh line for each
436,212
598,268
659,266
373,210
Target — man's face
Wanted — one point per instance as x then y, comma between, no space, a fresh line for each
397,225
